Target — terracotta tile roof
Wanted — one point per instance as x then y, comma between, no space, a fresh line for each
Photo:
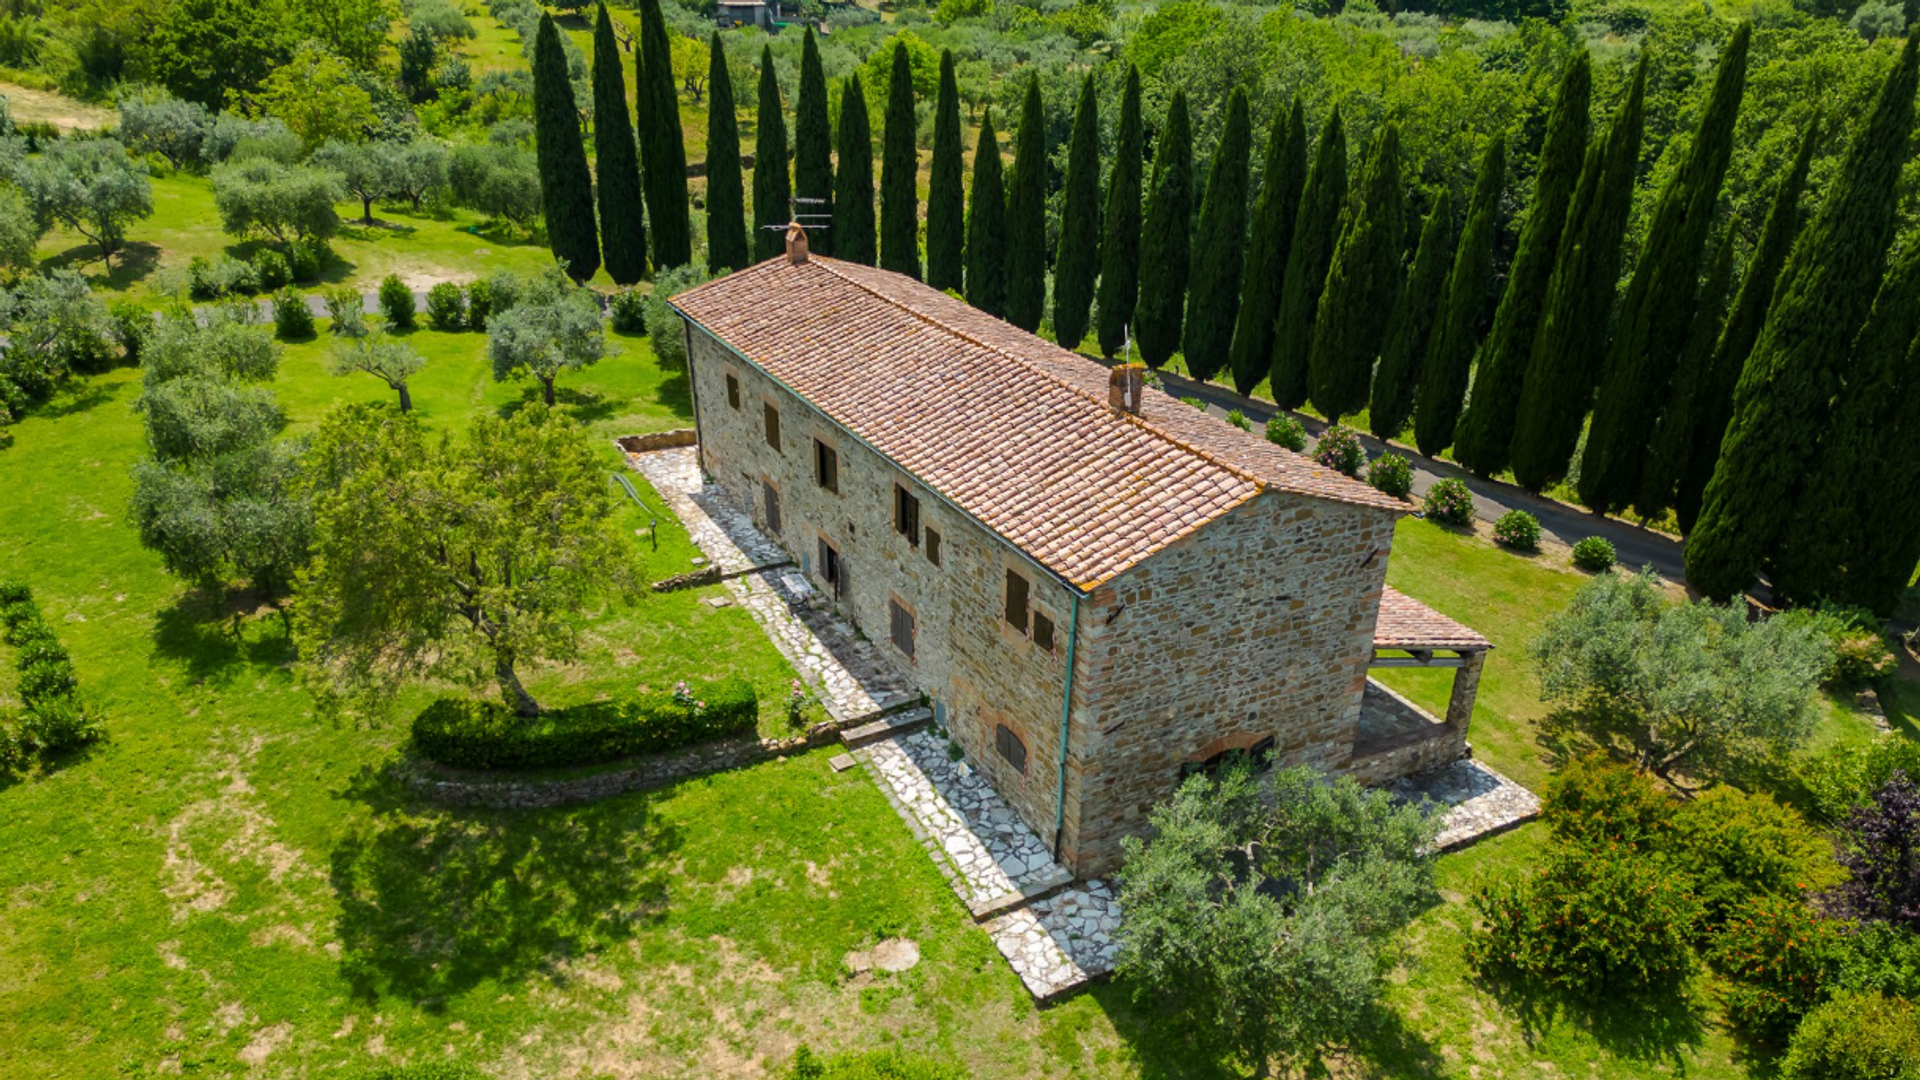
1406,623
1012,429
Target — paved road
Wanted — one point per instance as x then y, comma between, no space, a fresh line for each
1635,546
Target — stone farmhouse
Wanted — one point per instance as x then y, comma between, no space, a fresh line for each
1100,588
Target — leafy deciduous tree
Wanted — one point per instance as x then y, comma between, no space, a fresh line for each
553,326
392,362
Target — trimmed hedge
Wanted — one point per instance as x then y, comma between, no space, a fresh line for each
54,718
1594,553
1518,529
1284,430
487,735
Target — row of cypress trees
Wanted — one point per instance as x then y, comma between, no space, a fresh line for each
645,169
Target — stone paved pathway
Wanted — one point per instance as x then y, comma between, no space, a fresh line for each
1056,934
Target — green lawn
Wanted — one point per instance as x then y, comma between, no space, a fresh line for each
233,884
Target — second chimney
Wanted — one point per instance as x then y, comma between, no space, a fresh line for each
796,244
1124,384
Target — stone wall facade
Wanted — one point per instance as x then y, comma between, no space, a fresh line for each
1257,627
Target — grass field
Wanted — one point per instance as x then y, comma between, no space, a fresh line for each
234,885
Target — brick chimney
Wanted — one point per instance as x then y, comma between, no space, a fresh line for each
1124,384
796,244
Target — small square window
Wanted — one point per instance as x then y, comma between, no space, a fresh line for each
906,514
1043,631
901,627
1016,601
1010,747
826,466
933,545
733,392
773,426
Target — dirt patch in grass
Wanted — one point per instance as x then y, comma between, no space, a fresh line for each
47,107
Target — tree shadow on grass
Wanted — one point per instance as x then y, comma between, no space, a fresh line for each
1567,733
131,264
585,406
1654,1028
1165,1044
81,395
219,635
675,394
434,902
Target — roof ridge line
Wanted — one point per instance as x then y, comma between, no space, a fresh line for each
1138,420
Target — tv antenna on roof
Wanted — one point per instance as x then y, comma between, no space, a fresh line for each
809,222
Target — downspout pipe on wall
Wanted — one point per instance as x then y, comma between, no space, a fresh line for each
1066,717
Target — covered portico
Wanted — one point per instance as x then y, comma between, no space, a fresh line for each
1395,737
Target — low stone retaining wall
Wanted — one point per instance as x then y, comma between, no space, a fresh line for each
659,440
451,787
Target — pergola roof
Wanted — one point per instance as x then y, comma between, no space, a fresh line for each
1407,624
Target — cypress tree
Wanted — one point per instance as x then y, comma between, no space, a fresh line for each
1443,378
853,178
1888,537
987,226
946,198
1573,331
1251,355
1316,226
1213,300
623,222
813,147
661,147
1164,241
566,188
1485,431
1658,307
1782,403
1411,326
726,209
1027,216
1120,235
1820,554
899,173
1078,259
1744,320
772,195
1692,382
1363,282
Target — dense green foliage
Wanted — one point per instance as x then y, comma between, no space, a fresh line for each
813,147
1165,240
870,1065
1783,400
899,166
54,719
1856,1037
1484,433
1391,474
1269,240
1694,389
987,227
1572,341
1213,297
772,187
1026,267
1315,230
1463,312
727,246
946,195
1449,502
1077,261
1284,430
1517,529
853,221
1120,226
623,223
552,327
1651,330
1339,449
1594,553
1410,328
565,184
488,735
1279,953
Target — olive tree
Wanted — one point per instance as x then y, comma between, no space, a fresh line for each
365,170
444,558
90,186
283,203
1262,908
1690,690
153,121
553,326
392,362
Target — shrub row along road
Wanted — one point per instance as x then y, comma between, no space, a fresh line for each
1635,546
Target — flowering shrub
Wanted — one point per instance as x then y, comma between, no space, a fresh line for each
1449,502
684,697
1339,448
1284,430
1391,474
1777,959
799,700
1594,553
1518,529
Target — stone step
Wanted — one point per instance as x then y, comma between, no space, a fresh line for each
901,701
1052,883
887,726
